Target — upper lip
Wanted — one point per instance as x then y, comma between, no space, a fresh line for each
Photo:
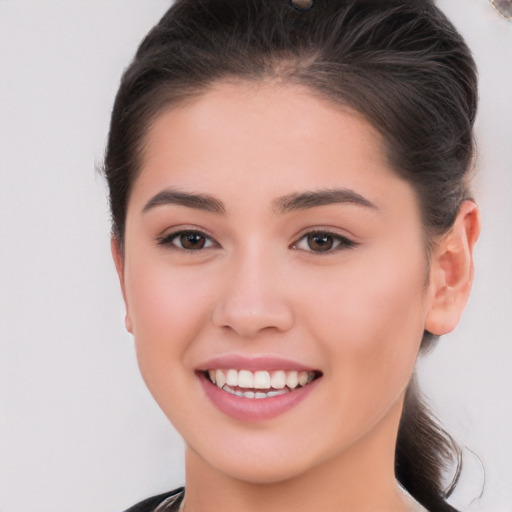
239,362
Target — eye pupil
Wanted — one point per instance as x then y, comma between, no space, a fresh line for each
320,242
192,241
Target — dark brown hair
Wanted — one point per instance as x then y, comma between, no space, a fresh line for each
399,63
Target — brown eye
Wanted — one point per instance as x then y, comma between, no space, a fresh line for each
192,241
323,242
320,242
187,240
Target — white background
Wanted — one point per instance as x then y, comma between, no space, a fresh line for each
78,430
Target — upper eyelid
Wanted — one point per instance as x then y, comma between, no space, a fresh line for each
176,230
328,231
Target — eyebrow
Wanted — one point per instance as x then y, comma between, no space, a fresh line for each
306,200
187,199
291,202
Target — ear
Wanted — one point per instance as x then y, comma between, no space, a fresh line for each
451,271
118,257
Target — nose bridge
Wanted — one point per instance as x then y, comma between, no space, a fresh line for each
252,297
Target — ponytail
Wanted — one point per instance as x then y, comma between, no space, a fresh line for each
425,453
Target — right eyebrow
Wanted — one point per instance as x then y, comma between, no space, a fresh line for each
312,199
187,199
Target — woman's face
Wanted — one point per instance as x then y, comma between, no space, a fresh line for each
269,244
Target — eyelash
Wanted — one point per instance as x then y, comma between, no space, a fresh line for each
169,239
337,242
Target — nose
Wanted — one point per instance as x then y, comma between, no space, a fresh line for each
253,297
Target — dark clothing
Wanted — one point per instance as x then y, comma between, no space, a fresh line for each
150,504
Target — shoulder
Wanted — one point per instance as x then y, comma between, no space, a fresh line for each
149,504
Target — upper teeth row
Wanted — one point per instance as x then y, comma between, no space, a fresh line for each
260,379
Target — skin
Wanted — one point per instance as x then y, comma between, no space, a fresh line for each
357,314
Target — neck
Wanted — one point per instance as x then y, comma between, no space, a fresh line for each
360,479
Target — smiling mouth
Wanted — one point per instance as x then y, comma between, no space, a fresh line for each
260,384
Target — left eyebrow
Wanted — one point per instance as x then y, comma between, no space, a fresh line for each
195,201
306,200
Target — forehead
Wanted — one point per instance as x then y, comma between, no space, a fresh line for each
269,136
260,110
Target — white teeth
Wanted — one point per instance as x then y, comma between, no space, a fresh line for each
220,378
232,378
277,392
261,380
251,394
278,380
229,389
303,378
246,379
292,379
274,383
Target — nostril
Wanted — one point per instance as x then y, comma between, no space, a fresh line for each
251,315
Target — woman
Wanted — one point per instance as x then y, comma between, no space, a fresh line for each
292,226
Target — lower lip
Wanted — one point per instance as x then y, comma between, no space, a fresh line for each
254,409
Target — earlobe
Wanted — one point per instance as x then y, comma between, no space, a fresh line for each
118,257
451,271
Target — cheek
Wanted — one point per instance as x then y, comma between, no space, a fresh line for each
370,325
372,313
167,307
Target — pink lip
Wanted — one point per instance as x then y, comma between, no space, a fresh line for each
253,409
237,362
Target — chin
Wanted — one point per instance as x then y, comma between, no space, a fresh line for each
264,474
272,465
